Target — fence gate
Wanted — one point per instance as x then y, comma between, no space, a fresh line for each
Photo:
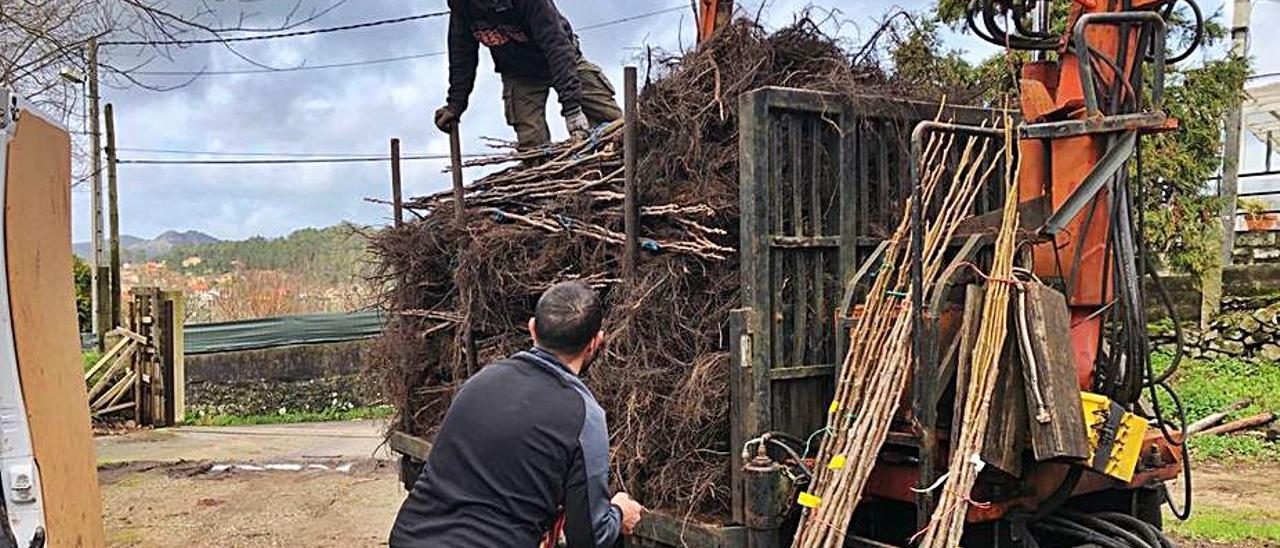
823,179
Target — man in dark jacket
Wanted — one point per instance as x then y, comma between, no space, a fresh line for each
534,49
523,439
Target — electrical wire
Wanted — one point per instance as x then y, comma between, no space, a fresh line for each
369,62
250,153
631,18
280,161
274,36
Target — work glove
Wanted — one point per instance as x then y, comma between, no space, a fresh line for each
578,126
446,118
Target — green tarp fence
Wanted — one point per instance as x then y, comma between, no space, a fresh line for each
207,338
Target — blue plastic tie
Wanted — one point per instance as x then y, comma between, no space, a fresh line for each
593,139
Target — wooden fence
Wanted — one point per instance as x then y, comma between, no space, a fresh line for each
141,376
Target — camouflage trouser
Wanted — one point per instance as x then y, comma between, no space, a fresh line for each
526,103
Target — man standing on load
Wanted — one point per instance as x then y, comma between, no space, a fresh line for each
534,49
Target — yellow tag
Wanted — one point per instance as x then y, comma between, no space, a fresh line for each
835,406
837,462
808,500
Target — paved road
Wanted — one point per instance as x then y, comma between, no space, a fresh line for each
260,443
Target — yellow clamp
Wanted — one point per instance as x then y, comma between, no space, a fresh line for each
808,500
837,462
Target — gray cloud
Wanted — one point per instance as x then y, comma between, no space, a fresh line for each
346,110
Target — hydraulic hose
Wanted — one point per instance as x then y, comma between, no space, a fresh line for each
1151,532
1105,527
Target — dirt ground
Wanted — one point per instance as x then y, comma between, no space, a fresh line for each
194,498
1244,498
190,504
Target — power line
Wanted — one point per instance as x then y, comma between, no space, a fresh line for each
290,69
595,26
634,18
244,162
267,154
274,36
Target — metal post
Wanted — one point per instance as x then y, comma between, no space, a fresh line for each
1267,168
1228,190
113,218
397,202
630,214
101,275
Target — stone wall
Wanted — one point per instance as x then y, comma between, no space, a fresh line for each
1249,333
1257,248
1244,285
284,363
289,379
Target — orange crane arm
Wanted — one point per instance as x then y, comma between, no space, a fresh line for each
712,15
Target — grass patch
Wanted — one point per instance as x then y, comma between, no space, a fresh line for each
125,537
1234,449
1206,386
372,412
90,358
1224,525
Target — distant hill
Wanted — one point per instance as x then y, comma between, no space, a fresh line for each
330,255
135,248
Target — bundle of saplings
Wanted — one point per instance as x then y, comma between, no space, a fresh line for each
557,215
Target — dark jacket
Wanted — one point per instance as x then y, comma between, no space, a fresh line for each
527,38
523,438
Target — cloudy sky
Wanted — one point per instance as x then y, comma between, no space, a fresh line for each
357,110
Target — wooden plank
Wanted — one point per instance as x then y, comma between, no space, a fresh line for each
819,304
113,409
801,372
120,396
37,239
739,392
1215,418
969,334
668,530
106,398
412,446
123,332
1006,439
753,173
1261,419
799,272
120,362
168,309
805,242
177,374
1059,431
110,355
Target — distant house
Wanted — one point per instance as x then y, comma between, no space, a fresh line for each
192,261
197,285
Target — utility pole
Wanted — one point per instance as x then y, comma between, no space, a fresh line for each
1211,296
113,218
1231,145
101,272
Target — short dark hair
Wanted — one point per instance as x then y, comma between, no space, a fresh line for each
567,317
